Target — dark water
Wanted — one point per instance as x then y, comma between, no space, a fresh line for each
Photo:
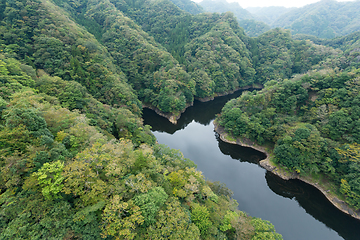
297,210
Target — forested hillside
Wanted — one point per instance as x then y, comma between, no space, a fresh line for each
310,122
76,161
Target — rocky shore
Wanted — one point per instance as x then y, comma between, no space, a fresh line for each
268,165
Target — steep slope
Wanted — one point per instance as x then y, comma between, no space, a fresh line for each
43,36
153,73
192,39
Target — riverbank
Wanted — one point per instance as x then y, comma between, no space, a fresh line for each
173,118
268,165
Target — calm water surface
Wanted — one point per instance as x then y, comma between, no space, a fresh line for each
297,210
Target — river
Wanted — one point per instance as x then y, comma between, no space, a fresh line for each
297,210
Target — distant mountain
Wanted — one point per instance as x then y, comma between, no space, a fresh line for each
324,19
188,6
246,20
222,6
268,15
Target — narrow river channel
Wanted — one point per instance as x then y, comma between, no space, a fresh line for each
297,210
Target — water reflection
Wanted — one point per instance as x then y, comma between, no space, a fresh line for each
308,197
201,112
297,210
315,204
244,154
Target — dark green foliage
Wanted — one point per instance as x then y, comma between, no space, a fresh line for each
277,56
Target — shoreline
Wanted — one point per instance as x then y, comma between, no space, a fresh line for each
173,118
269,166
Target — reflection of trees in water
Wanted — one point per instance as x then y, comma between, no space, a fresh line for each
201,112
308,197
244,154
315,204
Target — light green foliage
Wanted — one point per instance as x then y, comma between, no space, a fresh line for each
228,219
50,179
264,230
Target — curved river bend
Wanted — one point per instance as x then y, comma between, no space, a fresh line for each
297,210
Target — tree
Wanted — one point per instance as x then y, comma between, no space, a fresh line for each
50,179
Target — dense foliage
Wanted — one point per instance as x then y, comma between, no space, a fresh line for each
313,122
211,47
277,56
41,34
76,162
63,175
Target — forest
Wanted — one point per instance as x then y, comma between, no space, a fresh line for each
76,160
309,122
